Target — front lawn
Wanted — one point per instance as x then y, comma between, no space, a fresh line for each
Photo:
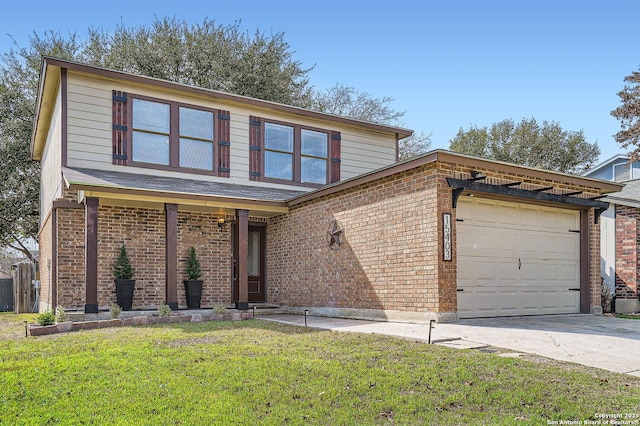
257,372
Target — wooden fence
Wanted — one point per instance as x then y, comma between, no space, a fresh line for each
24,293
6,294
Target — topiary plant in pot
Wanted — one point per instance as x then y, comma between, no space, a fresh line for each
123,274
193,285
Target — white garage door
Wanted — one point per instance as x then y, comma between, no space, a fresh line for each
516,259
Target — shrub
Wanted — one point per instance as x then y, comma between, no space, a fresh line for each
46,318
115,310
164,310
122,269
61,315
193,266
219,309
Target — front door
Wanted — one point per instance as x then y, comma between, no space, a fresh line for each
256,248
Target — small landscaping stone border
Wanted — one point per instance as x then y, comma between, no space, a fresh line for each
65,327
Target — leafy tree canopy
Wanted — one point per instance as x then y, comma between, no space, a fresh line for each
629,115
528,143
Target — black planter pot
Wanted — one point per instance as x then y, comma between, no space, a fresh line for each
193,288
124,293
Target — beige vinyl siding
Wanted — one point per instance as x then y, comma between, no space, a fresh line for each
89,131
51,180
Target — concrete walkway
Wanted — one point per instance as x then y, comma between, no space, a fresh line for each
608,343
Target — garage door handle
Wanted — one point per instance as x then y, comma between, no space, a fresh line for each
460,289
519,264
574,289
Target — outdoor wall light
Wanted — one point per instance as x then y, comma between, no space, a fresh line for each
220,222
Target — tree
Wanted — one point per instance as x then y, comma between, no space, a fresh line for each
544,146
629,115
349,102
206,55
19,176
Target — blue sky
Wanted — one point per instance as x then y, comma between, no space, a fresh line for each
448,64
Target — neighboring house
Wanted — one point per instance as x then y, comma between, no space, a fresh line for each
620,231
295,208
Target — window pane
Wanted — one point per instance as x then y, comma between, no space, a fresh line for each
150,148
195,123
314,143
253,264
621,172
196,154
313,170
278,137
151,116
278,165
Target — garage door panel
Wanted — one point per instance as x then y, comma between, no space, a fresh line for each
516,259
506,301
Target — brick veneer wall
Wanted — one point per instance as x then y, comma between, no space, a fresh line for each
627,241
388,259
44,246
70,258
391,256
213,250
142,232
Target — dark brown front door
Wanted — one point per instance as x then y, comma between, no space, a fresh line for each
256,248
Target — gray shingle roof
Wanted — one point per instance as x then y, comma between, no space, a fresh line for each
123,180
630,194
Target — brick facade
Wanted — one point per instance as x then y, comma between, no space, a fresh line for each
142,231
45,246
213,250
390,260
391,257
627,257
70,258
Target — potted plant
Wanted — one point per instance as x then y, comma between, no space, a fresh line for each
122,273
193,285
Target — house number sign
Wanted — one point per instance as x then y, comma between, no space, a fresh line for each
446,235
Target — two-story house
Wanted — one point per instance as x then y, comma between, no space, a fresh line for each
293,207
620,231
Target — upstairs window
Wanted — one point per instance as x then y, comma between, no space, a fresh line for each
170,135
151,132
278,151
196,139
313,161
295,153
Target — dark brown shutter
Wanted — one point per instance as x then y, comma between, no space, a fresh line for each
224,143
119,109
255,148
335,156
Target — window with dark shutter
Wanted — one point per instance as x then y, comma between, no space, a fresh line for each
255,148
224,143
119,142
335,156
169,135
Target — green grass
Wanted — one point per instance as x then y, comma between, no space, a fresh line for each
256,372
628,316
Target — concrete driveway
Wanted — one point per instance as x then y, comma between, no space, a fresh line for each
608,343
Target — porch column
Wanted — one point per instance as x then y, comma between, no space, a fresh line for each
243,254
171,250
91,255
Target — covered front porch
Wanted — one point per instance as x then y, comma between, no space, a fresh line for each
158,219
